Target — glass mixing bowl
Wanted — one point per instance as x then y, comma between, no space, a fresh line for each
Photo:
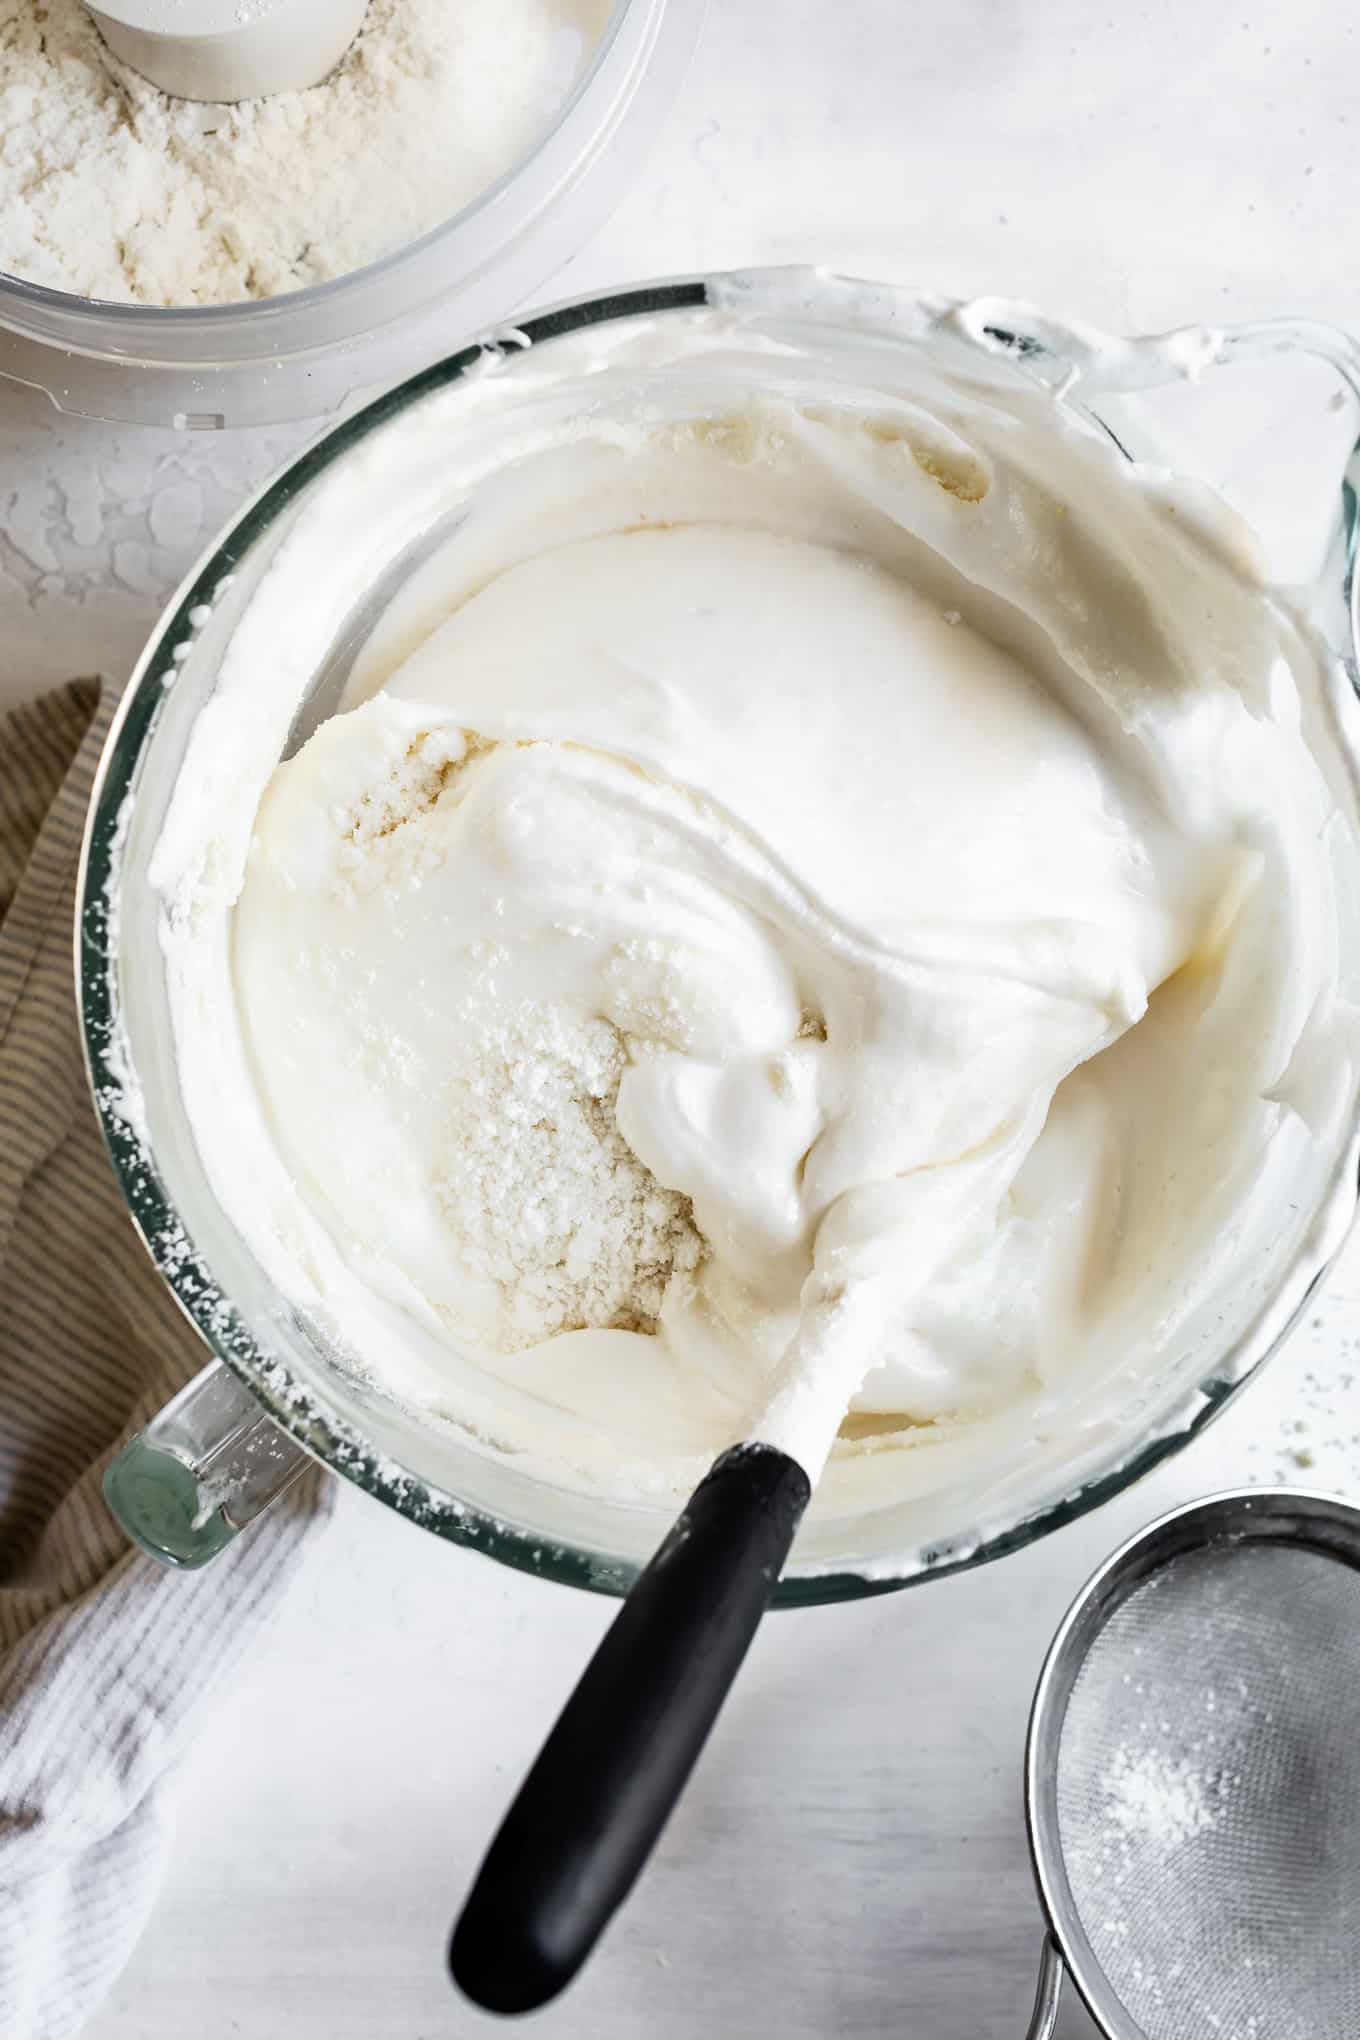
303,355
275,1393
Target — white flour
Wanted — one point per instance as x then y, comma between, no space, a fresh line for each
110,189
1157,1799
545,1196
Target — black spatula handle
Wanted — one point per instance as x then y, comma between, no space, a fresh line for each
599,1795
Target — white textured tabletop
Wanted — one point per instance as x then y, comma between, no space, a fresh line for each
851,1858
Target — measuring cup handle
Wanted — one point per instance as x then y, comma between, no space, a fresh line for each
1048,1997
207,1466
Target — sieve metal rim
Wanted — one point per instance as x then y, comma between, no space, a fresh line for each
1302,1516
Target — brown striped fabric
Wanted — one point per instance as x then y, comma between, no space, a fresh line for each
107,1662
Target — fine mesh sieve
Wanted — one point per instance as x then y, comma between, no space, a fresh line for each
1193,1779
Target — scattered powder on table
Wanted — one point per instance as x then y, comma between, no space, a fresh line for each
111,189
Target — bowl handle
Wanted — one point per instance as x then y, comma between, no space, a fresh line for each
201,1471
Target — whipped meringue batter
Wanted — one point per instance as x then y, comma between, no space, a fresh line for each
789,840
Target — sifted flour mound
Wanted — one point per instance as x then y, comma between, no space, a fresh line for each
542,1192
111,189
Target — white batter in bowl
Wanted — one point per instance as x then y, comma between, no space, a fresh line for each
812,803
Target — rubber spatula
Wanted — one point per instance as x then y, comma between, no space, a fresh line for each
589,1812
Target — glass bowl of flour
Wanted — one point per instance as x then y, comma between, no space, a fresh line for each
746,768
198,266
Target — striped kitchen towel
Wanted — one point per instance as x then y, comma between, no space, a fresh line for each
107,1662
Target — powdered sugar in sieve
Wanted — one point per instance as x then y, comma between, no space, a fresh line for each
1196,1786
